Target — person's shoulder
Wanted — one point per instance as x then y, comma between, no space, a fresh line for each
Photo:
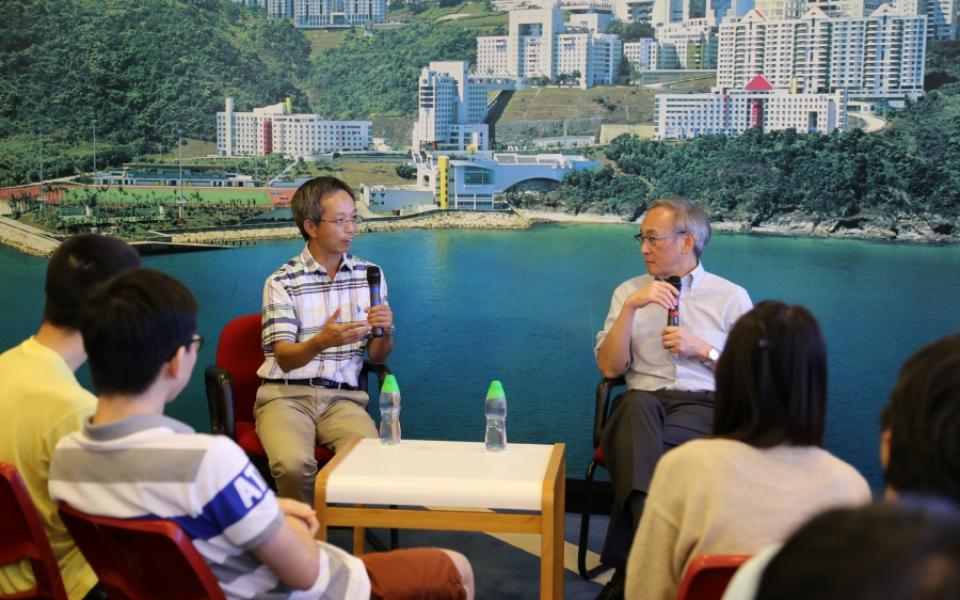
699,451
295,267
362,264
633,284
725,287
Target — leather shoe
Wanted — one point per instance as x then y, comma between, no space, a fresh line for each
614,588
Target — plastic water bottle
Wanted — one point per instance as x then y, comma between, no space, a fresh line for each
390,412
495,408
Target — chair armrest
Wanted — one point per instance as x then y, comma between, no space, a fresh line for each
219,400
602,408
380,370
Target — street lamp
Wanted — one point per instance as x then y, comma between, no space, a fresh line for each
94,123
180,179
42,196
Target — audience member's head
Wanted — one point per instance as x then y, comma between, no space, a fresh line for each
307,202
77,266
921,424
137,324
892,551
772,378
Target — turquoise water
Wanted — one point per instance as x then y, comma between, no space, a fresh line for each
524,306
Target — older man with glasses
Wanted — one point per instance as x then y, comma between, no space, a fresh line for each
317,319
668,364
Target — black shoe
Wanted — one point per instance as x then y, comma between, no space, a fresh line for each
614,588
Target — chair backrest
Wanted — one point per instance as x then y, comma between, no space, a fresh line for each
708,575
602,406
141,558
22,536
239,353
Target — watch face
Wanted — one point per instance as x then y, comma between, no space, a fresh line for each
713,355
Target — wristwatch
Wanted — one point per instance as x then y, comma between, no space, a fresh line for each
713,355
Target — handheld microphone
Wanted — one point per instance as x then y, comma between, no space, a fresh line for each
673,315
373,280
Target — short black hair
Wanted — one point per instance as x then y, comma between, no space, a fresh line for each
771,381
307,201
76,267
134,324
923,417
891,550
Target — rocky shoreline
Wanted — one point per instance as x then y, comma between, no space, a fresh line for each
937,231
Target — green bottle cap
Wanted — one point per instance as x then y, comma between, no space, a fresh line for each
390,385
495,390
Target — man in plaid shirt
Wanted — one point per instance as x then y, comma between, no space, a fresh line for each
317,321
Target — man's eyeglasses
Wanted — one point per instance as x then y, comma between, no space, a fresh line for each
653,239
341,223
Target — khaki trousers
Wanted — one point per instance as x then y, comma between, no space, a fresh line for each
292,419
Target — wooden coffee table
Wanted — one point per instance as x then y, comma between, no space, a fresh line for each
470,484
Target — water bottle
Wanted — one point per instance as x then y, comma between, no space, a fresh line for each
495,408
390,412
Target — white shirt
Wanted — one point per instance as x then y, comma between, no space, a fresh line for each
709,306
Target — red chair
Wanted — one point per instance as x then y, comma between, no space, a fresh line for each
231,386
601,412
22,536
708,575
141,559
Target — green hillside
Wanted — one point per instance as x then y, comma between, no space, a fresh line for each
144,70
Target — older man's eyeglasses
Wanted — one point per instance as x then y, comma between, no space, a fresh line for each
341,222
653,239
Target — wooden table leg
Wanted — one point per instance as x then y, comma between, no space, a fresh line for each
551,527
358,537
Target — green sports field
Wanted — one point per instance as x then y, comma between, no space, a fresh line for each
153,195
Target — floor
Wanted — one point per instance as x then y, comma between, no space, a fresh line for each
507,566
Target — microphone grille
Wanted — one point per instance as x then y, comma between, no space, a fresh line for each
373,275
675,281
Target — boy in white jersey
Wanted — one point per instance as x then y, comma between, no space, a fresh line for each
130,461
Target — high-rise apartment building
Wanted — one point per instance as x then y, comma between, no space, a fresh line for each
758,104
541,44
275,129
880,56
280,9
338,13
451,110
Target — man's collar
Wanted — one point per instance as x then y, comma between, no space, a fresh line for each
694,277
347,261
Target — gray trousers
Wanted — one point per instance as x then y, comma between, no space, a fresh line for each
640,428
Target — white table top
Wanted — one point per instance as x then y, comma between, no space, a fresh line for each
448,474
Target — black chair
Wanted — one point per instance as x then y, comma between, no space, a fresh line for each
601,412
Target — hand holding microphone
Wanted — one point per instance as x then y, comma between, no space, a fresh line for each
673,313
373,281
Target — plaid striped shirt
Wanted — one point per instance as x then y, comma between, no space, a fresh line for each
298,298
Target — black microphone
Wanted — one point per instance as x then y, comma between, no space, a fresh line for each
673,315
373,280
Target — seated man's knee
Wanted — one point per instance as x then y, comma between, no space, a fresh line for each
292,467
462,563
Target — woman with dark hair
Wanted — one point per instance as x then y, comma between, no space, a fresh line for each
763,473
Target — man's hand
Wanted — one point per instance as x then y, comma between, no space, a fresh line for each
655,292
681,342
299,510
381,316
336,334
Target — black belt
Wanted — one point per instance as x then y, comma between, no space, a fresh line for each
315,382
